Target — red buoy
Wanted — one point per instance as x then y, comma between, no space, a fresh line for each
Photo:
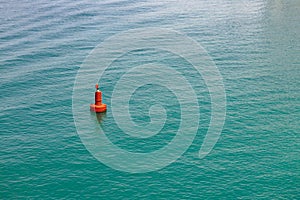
98,106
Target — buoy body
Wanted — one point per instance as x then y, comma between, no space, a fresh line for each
98,107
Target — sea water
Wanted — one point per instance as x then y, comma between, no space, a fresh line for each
255,46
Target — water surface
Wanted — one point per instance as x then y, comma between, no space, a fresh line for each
255,45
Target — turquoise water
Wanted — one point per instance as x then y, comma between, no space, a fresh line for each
255,46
